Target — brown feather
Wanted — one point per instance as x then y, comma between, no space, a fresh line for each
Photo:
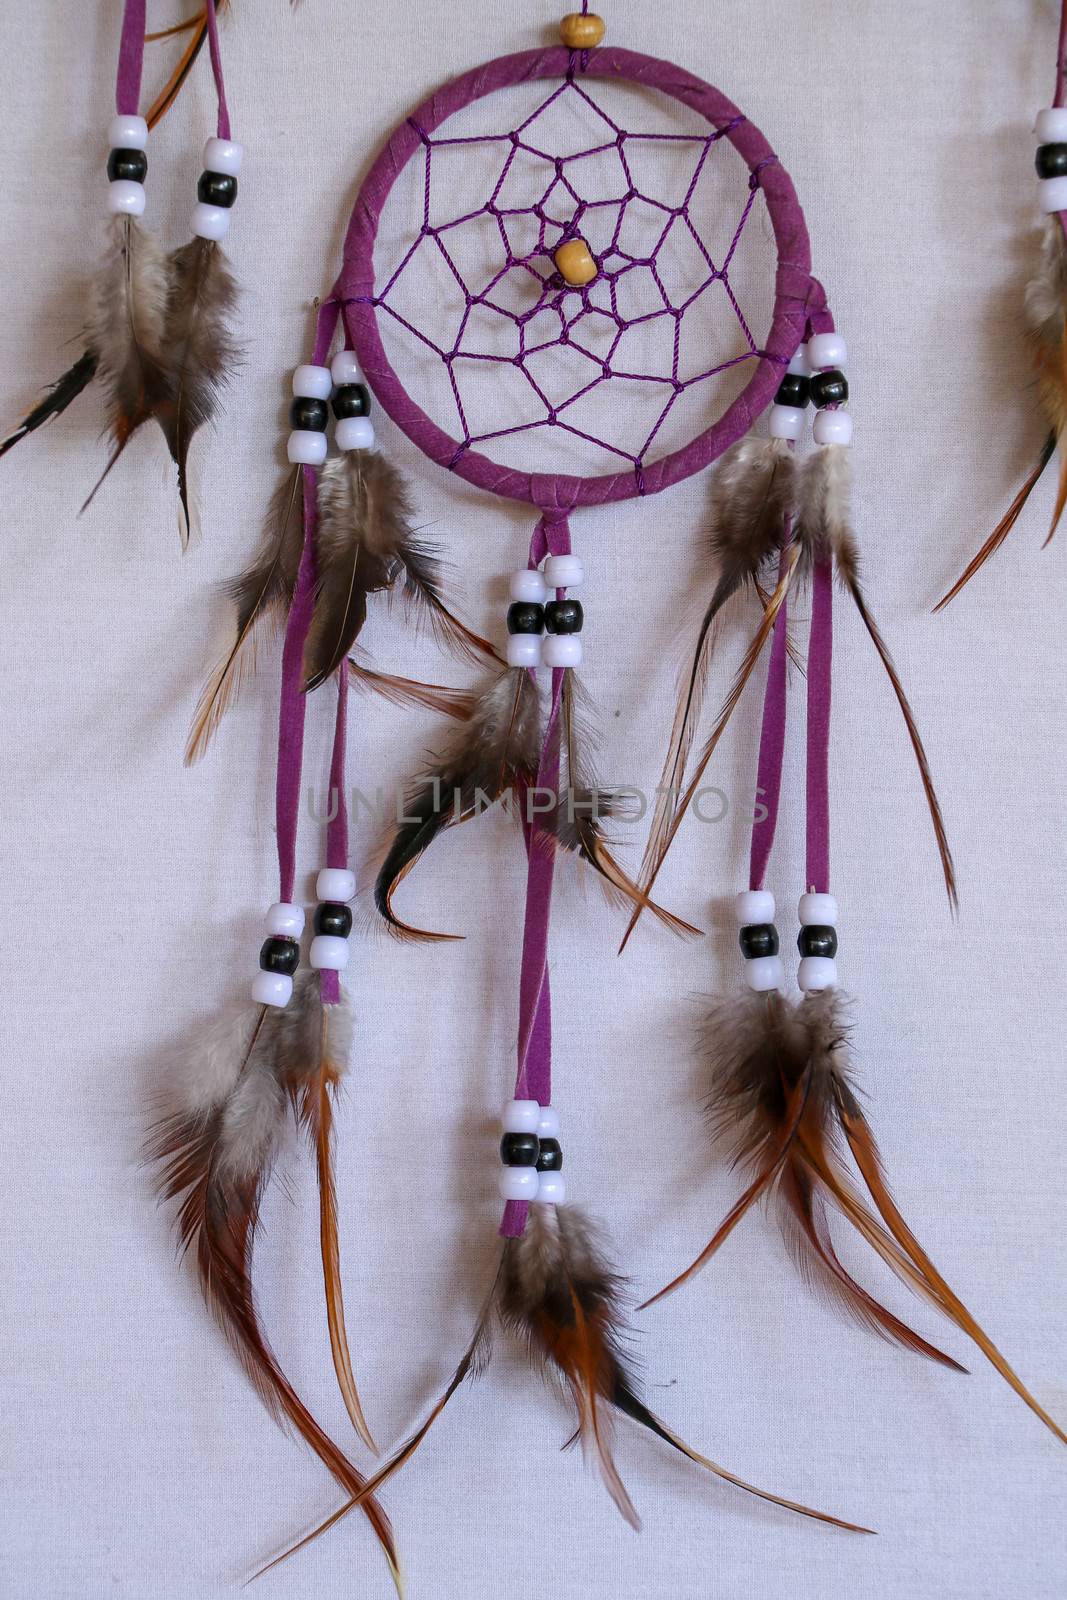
262,593
1004,526
456,703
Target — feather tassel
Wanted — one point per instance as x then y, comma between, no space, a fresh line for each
215,1154
555,1292
781,1092
496,757
199,349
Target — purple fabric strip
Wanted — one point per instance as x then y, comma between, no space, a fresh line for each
772,743
820,665
223,125
131,59
293,700
534,1073
337,827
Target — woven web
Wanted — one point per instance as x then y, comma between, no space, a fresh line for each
509,308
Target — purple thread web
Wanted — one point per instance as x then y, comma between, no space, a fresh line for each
559,214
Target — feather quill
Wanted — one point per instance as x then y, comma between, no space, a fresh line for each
199,348
495,757
824,532
215,1152
262,593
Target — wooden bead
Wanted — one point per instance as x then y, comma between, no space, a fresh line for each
574,260
580,32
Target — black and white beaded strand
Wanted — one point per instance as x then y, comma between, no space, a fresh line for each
334,888
127,166
531,1154
758,939
564,616
280,956
817,943
216,190
1051,159
313,390
826,354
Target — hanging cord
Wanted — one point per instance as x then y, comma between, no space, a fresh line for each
131,59
820,663
337,827
772,737
1061,60
293,708
223,123
534,1076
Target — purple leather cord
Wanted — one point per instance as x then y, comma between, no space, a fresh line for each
223,124
337,827
533,1079
131,59
820,663
772,742
293,706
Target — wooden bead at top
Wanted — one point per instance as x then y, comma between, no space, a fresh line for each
575,264
580,32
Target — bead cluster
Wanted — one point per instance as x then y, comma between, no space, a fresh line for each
531,614
334,887
217,189
531,1153
313,389
127,166
280,956
817,941
1051,159
814,375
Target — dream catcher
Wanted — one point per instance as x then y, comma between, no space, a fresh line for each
157,333
585,291
1046,317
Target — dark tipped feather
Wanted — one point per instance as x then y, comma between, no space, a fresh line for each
423,586
264,592
199,347
456,703
496,756
1004,526
59,396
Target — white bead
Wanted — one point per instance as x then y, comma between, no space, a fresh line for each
551,1190
336,885
210,222
223,155
826,350
548,1123
127,133
785,422
125,198
817,911
524,649
817,972
764,973
520,1116
272,989
754,907
562,650
564,572
328,953
529,585
305,448
1052,194
799,364
344,368
355,433
832,427
1051,126
285,921
312,383
518,1183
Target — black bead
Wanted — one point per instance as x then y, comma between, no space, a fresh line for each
351,400
128,165
829,388
817,941
335,921
217,189
519,1149
280,955
564,616
759,939
525,617
309,415
1051,161
550,1156
794,390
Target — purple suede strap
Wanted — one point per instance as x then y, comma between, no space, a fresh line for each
772,741
293,700
131,59
337,827
820,664
223,125
533,1079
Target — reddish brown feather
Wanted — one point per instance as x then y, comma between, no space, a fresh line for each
1004,526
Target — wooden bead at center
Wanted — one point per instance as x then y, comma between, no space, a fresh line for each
580,32
575,264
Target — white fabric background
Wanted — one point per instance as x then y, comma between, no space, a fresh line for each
136,1461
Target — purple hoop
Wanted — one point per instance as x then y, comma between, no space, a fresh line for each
795,290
